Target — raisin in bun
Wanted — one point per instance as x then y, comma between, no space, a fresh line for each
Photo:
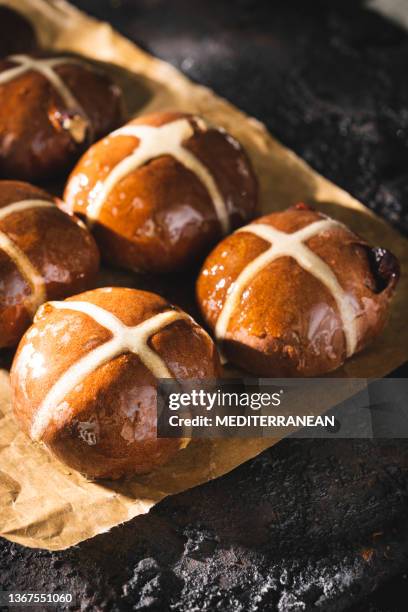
295,293
160,191
85,374
16,33
53,106
44,254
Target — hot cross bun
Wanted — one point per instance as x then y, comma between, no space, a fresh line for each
52,107
295,293
160,191
85,375
44,254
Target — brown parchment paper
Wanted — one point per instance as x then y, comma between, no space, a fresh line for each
44,504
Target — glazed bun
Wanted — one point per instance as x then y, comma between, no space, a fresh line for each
160,191
53,107
44,254
85,374
295,293
16,33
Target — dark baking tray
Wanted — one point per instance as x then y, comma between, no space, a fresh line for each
308,524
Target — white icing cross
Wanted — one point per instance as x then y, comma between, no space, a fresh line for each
154,142
20,259
133,339
46,68
291,245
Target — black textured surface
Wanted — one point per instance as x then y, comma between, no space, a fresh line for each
326,77
308,524
304,522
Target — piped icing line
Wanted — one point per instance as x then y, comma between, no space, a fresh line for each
154,142
124,339
20,259
291,245
15,207
46,68
28,271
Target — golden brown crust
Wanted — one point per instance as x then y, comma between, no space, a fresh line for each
287,322
59,247
161,217
108,425
37,134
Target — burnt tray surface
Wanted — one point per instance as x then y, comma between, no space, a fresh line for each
308,524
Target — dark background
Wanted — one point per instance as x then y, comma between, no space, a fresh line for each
308,524
327,78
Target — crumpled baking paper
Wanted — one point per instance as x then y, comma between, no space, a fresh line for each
43,503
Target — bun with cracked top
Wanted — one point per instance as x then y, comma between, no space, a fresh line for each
85,374
44,254
295,293
53,107
160,191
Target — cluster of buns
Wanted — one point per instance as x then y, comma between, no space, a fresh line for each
294,293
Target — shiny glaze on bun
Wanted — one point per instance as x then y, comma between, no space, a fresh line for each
44,254
159,192
52,108
85,375
283,303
